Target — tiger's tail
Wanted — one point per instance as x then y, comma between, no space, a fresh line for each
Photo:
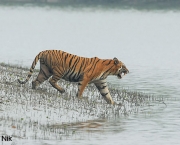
31,69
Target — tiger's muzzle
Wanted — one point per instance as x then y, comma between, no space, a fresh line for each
122,72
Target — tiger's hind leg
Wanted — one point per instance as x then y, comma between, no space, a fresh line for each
54,79
103,89
43,75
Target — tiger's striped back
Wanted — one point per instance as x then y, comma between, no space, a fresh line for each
71,67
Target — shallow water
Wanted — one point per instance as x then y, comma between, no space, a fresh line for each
146,41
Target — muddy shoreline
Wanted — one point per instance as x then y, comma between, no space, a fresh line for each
47,114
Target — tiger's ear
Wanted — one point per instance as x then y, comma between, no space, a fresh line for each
116,61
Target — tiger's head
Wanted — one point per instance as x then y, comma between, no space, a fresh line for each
120,68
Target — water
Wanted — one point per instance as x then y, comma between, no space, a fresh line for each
146,41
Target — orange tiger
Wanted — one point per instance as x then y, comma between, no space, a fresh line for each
58,65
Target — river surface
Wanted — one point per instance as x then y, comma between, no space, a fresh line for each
148,42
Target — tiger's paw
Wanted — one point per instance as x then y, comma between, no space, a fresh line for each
35,85
62,91
114,103
79,97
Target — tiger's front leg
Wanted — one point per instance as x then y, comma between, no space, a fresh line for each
103,89
81,86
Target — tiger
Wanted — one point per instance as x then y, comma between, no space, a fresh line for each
58,64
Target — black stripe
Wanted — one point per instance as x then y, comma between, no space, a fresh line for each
92,64
94,67
55,55
83,64
71,75
106,71
50,59
59,71
104,61
71,60
104,94
74,76
67,73
66,56
77,74
80,70
75,63
79,84
63,53
39,54
103,83
109,62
